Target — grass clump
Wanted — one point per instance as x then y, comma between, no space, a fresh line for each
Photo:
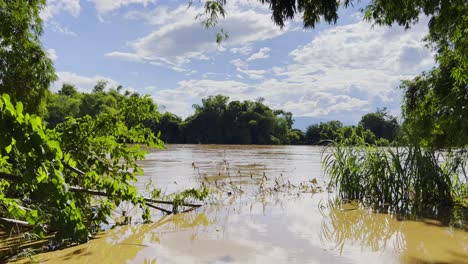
408,180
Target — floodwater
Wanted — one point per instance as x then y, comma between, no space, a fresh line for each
250,219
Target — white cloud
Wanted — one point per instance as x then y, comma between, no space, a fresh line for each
73,7
82,83
54,7
263,53
357,46
243,67
179,38
244,50
342,73
52,54
56,27
106,6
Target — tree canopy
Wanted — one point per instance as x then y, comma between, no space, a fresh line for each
25,70
435,102
381,124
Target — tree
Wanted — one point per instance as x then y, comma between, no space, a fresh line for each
381,123
60,106
318,134
435,102
435,108
68,90
25,70
218,122
100,86
169,127
49,178
448,27
384,12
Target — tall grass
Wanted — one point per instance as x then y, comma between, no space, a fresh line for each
408,180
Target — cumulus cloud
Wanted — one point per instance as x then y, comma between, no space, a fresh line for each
343,72
73,7
373,60
180,39
54,7
106,6
244,50
263,53
357,46
243,68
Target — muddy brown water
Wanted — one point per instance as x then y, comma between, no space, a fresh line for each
252,227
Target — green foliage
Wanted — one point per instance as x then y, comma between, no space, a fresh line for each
326,133
40,183
169,127
179,199
59,106
407,180
68,90
382,124
218,121
383,12
25,70
435,109
318,134
68,102
435,102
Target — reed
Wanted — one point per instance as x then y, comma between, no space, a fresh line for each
408,180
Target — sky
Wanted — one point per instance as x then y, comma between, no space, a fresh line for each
158,47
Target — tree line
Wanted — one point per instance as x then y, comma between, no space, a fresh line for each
217,120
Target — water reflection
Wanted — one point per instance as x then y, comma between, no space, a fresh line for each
425,241
351,224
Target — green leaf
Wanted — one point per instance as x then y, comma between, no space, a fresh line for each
41,175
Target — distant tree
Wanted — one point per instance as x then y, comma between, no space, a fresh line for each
381,123
296,137
60,106
247,122
318,134
100,86
312,135
68,90
169,127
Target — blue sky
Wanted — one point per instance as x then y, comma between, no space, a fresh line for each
154,47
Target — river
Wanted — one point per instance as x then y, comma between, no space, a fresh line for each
246,223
